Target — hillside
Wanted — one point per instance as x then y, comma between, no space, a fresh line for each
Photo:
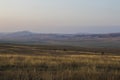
82,40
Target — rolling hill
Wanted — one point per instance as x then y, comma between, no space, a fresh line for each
83,40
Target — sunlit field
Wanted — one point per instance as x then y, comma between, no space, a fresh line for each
61,67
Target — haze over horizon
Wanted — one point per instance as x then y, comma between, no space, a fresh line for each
60,16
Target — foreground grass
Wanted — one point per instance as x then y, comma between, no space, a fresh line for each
64,67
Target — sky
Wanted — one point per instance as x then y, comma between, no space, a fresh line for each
60,16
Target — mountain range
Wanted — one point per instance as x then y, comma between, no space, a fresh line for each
27,37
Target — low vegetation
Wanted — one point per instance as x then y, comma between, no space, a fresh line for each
58,65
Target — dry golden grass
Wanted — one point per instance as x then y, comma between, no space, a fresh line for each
64,67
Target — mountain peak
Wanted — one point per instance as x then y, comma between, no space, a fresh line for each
20,33
23,32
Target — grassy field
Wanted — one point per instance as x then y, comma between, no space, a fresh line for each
40,63
94,43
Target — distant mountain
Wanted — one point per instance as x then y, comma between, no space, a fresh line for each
21,33
27,37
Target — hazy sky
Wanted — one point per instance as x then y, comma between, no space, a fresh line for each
60,16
